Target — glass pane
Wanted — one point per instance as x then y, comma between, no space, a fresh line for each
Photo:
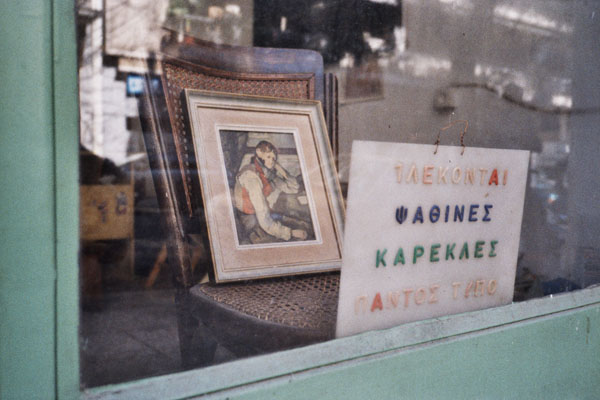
522,73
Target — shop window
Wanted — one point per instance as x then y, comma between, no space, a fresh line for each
518,72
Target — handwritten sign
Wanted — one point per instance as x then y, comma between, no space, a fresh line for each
428,234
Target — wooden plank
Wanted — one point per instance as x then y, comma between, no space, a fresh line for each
106,212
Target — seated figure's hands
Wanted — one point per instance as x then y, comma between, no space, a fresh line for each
281,171
299,234
303,200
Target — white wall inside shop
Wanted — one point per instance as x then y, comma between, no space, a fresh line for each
508,69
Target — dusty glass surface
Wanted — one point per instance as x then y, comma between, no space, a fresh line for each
522,73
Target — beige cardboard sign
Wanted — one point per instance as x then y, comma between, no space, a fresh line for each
428,234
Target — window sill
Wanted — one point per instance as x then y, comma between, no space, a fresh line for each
222,378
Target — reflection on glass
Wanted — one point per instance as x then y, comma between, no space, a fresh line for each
221,22
517,71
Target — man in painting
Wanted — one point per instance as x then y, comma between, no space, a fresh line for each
265,199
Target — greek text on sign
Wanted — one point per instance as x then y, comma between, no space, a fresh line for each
428,234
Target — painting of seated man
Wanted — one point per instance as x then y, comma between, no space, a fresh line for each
269,199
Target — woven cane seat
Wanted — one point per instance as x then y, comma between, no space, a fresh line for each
303,302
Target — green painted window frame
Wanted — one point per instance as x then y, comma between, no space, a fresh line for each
547,347
373,355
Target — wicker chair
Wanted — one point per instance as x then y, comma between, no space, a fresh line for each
253,317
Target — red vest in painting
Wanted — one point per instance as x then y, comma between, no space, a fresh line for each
247,207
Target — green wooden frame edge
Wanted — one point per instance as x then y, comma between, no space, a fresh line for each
222,379
66,172
27,258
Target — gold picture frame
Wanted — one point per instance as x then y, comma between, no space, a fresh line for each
271,193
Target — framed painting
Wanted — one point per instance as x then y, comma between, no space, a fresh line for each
271,193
